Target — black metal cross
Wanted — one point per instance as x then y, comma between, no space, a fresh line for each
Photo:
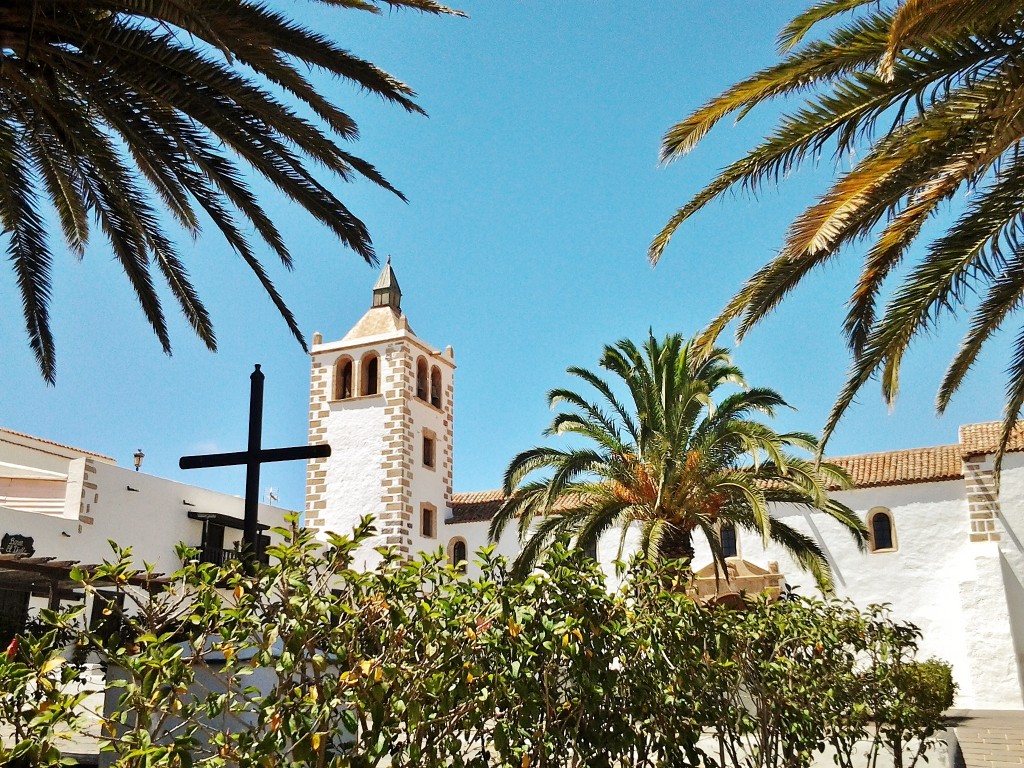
252,459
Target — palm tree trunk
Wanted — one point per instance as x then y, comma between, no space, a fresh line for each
677,545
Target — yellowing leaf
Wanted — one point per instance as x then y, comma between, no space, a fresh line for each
239,592
51,664
315,739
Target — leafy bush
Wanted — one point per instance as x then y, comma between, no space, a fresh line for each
312,662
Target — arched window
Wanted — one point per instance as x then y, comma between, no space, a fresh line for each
458,555
435,387
343,379
728,534
369,375
421,378
881,530
428,521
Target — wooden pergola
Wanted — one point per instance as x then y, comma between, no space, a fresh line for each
51,578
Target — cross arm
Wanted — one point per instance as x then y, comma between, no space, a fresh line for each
319,451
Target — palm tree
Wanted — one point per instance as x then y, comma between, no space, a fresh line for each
113,112
925,100
670,460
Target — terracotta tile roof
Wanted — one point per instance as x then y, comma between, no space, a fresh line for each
482,505
984,438
912,465
475,507
867,470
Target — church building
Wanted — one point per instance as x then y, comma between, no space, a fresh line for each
945,545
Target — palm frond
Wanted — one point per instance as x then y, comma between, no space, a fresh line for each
699,458
133,108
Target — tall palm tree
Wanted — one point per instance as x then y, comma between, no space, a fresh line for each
925,100
670,460
115,111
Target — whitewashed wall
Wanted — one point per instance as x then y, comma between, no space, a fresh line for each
354,473
152,519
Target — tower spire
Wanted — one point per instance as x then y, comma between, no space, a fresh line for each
386,292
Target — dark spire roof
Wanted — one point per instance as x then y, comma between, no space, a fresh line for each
386,291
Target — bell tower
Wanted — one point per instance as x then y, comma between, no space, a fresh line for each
382,398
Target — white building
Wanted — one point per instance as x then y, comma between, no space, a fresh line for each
60,505
946,548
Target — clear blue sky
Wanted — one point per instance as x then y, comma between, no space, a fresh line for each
534,189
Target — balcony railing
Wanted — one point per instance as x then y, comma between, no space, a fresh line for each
218,556
224,556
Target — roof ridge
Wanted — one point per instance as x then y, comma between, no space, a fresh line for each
59,445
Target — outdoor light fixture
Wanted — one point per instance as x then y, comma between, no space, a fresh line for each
138,456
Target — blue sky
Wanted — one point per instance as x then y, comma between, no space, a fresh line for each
534,189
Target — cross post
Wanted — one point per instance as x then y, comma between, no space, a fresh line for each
253,458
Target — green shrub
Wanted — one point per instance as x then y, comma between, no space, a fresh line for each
311,662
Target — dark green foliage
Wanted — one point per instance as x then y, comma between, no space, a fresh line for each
312,663
116,111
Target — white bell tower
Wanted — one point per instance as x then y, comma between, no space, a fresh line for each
382,399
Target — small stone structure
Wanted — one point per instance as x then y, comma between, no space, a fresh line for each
742,579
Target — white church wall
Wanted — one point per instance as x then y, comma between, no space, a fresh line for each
936,577
1010,521
950,587
354,472
1010,511
475,536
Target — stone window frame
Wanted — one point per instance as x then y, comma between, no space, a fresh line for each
870,524
461,565
364,374
428,521
431,437
336,388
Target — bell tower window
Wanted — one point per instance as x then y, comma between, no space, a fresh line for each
369,376
435,387
343,379
421,379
